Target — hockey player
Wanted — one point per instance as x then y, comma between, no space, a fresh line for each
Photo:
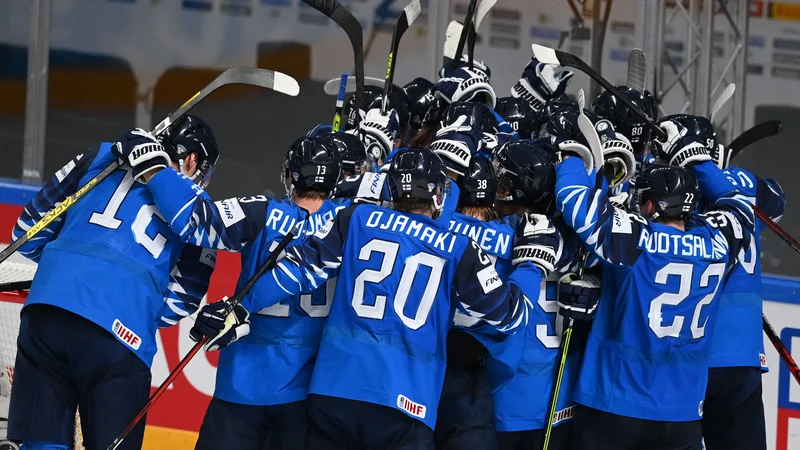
519,115
420,96
645,366
378,375
355,159
110,272
733,416
526,184
255,412
626,122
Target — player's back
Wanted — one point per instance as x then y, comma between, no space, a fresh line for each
647,355
391,312
284,338
111,260
737,339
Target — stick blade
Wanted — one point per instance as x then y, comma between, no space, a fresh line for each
722,100
637,70
326,7
581,101
546,54
332,86
412,11
756,133
483,9
451,36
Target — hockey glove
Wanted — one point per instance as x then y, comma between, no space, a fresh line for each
142,151
378,132
576,148
541,83
478,66
465,85
617,154
538,241
681,149
721,156
578,298
492,142
457,142
221,330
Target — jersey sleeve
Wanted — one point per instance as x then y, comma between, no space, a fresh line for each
189,211
188,284
770,198
610,233
305,267
483,295
62,185
729,211
370,188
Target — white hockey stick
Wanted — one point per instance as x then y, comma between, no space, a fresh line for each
637,70
332,85
722,101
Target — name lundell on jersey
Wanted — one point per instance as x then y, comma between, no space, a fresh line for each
683,245
402,224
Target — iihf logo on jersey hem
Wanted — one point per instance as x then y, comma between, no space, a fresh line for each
126,335
413,408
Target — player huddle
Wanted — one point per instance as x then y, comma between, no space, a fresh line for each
441,249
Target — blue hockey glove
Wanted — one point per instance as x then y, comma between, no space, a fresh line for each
465,85
541,83
221,330
457,142
617,153
142,151
378,132
681,148
578,298
537,240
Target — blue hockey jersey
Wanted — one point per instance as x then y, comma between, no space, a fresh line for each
647,355
112,259
284,338
399,278
737,339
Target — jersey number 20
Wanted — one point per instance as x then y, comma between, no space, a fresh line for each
389,252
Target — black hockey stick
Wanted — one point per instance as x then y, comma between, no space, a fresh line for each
557,57
16,286
761,131
337,115
481,12
786,356
589,131
407,17
237,298
352,27
236,75
462,40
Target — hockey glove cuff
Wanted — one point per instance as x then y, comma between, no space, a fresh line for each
721,156
538,241
465,85
142,151
578,298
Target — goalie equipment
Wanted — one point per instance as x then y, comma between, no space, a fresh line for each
525,176
312,164
190,134
625,121
479,186
417,173
673,192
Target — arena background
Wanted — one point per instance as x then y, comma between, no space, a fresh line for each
114,64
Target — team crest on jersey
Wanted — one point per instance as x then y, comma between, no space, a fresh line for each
413,408
762,358
126,335
431,187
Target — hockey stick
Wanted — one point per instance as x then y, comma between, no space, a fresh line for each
589,131
454,28
407,17
352,27
480,13
236,75
332,86
761,131
786,356
462,40
16,286
637,70
723,100
337,115
237,298
557,57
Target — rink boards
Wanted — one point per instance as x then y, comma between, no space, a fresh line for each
174,421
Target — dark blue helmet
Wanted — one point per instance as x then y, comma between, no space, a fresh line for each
312,164
417,173
190,134
561,119
352,153
625,121
479,186
420,95
481,114
373,98
519,114
525,175
672,190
